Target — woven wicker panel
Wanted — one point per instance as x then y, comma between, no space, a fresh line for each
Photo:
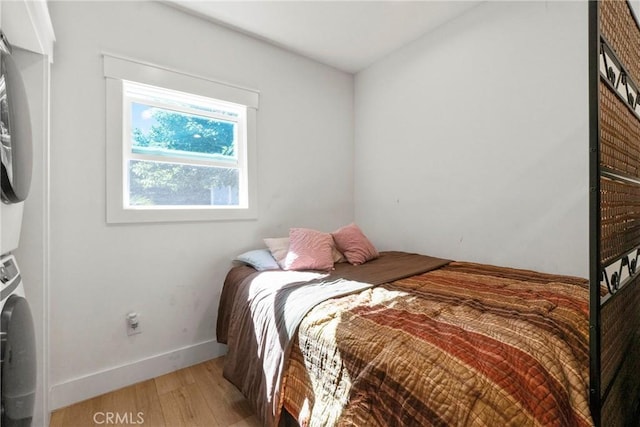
621,350
619,408
620,218
619,134
620,222
615,21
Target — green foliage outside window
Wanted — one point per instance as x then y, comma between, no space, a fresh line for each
171,183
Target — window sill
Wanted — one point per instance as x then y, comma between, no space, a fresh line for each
120,216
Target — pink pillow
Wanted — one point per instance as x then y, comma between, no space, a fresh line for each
309,250
355,246
279,247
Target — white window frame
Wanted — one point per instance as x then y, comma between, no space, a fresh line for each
117,71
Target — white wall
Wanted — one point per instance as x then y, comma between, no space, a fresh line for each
172,273
635,6
471,143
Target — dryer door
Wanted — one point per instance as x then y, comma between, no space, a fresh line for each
18,363
15,133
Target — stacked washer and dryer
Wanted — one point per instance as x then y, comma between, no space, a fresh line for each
18,349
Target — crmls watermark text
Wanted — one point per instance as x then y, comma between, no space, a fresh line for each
118,418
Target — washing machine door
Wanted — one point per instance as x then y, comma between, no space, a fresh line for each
18,363
15,133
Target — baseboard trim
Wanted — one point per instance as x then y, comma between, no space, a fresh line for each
86,387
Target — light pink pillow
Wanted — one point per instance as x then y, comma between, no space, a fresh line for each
355,246
278,246
336,254
309,250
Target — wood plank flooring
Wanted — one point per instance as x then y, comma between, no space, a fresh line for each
194,396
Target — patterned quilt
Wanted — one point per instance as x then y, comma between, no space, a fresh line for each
260,312
463,345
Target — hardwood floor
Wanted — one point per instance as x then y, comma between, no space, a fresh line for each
194,396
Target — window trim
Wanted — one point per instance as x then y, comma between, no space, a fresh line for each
118,69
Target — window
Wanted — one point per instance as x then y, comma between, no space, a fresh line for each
179,147
182,150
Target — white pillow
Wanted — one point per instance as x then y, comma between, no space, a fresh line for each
278,246
260,259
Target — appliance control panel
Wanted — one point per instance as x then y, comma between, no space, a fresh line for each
8,271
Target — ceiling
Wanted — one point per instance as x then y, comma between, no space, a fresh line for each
348,35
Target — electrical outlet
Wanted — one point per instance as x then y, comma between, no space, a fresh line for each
133,324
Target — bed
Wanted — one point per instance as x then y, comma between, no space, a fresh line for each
408,339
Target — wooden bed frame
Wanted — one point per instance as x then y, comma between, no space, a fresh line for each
614,117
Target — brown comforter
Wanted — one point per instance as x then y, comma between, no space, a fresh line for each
462,345
260,312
